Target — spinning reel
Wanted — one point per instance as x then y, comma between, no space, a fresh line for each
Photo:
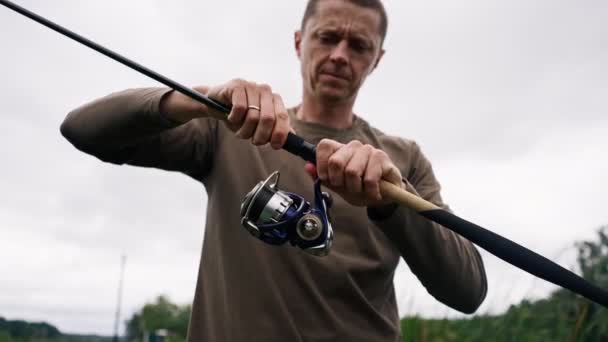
275,217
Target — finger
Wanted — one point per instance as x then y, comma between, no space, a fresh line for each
239,108
311,170
325,149
267,117
338,161
253,115
282,126
355,169
373,174
392,174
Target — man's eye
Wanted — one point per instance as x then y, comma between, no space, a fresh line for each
359,45
327,38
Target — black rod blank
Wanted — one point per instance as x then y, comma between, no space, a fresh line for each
294,144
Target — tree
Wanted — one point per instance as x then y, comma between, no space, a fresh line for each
5,336
160,314
20,329
593,264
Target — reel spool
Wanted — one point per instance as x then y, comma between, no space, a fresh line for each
275,217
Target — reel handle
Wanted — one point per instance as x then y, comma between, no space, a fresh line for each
294,143
391,191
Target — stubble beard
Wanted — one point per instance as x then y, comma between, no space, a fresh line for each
329,95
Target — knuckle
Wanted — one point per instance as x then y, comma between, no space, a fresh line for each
239,107
379,154
324,145
352,172
253,117
265,87
282,115
266,119
355,143
237,82
335,163
279,136
325,142
369,182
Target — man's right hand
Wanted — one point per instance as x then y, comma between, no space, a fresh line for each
257,113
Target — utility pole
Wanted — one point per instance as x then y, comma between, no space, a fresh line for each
123,260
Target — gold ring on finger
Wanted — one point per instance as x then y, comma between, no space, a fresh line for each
253,107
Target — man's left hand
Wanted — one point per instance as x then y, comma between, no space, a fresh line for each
354,171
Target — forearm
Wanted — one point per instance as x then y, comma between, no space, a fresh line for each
449,266
117,120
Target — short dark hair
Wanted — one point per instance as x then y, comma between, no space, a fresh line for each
311,9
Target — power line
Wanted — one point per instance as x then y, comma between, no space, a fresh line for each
123,260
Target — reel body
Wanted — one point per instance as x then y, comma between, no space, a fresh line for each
276,217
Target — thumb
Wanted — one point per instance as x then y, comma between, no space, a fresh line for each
220,94
392,175
202,89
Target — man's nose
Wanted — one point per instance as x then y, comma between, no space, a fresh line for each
340,53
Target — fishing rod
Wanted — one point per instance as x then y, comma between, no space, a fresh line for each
495,244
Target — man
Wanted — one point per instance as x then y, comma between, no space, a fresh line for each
251,291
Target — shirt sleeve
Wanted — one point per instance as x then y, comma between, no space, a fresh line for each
448,265
127,127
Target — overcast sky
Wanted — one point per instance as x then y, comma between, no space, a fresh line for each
508,99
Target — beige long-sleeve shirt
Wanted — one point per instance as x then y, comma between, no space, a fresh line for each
250,291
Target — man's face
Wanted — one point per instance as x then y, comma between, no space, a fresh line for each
339,47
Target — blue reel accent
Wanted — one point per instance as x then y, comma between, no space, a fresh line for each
281,232
319,210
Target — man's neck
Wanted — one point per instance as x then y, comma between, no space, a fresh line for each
335,115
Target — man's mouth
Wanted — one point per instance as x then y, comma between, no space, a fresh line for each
334,75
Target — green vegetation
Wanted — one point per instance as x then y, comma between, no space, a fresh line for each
562,316
22,331
158,316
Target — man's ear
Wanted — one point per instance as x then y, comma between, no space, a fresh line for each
379,58
297,39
